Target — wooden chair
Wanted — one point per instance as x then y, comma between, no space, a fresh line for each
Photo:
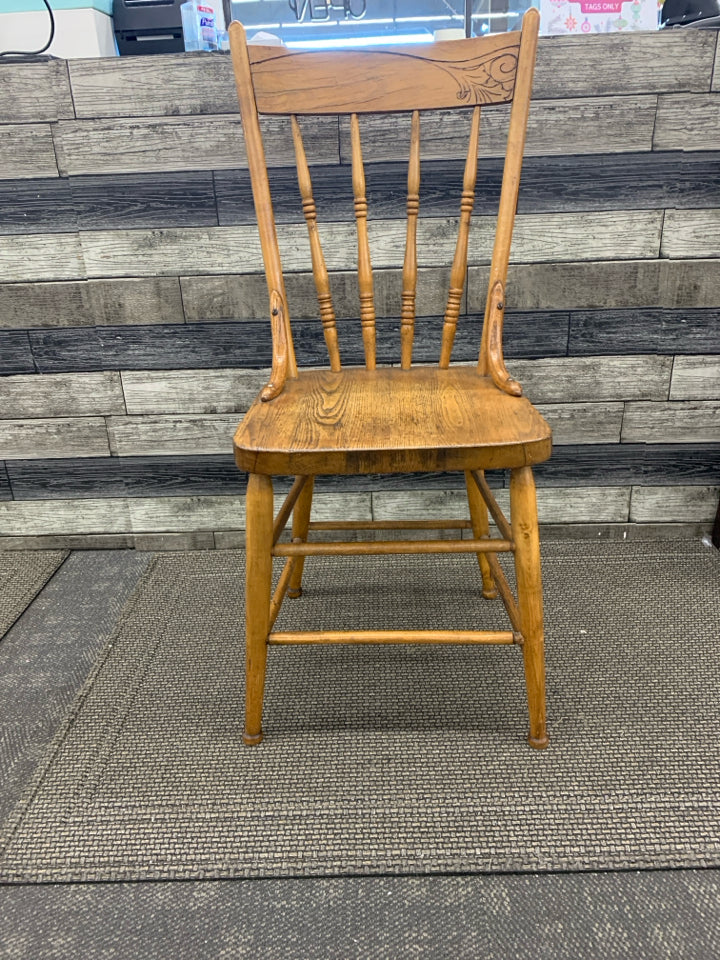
400,419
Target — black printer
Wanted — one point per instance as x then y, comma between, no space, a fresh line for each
148,26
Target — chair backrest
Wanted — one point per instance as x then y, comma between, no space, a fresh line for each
446,75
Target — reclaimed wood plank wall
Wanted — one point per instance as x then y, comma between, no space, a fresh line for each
133,328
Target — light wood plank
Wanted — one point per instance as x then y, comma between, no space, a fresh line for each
688,122
24,518
173,84
696,378
80,303
603,285
26,152
555,127
171,435
61,437
574,379
555,504
651,63
583,422
677,504
691,233
45,256
617,234
35,92
244,296
716,69
181,143
191,391
672,422
61,395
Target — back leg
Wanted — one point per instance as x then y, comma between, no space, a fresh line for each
481,528
300,526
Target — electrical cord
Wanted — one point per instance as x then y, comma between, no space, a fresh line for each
34,53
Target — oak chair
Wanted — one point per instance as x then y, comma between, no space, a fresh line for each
399,419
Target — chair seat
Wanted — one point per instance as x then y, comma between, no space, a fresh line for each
390,421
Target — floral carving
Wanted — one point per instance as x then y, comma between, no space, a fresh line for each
487,79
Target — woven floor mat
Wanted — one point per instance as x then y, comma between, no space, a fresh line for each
23,574
392,759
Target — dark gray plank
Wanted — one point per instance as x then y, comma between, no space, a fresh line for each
15,353
35,91
36,206
618,464
632,181
146,300
644,331
247,343
5,491
144,200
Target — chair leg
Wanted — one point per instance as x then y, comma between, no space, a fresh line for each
481,528
300,525
258,584
523,514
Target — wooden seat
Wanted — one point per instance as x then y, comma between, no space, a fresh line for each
393,419
390,420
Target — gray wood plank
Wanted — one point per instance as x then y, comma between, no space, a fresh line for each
584,422
688,123
679,503
572,379
180,143
74,303
153,542
80,541
58,437
61,395
687,421
15,353
26,151
162,85
35,92
44,256
651,63
628,234
555,127
36,206
716,69
144,200
618,332
618,284
191,391
624,464
695,378
64,517
172,435
691,233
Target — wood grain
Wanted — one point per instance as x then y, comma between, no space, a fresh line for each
5,491
191,391
686,421
45,256
61,395
170,435
584,64
555,127
695,378
578,379
24,439
15,353
64,517
628,234
687,123
35,92
691,233
637,331
26,152
79,303
584,422
179,143
674,504
36,206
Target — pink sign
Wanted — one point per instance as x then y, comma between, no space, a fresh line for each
601,6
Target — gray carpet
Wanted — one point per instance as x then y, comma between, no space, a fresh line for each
23,574
392,760
621,916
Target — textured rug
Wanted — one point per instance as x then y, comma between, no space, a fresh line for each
392,759
23,574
